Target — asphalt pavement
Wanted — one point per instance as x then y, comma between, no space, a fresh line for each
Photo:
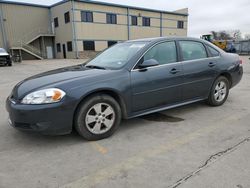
195,146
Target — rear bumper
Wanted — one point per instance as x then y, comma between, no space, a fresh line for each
237,75
49,119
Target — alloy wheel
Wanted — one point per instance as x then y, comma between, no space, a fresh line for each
220,91
100,118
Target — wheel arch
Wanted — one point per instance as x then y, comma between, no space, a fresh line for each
228,76
109,92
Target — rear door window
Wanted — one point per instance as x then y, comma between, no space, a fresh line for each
192,50
213,52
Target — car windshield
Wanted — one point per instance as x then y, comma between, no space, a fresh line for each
2,50
116,56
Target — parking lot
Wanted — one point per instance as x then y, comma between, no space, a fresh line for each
192,146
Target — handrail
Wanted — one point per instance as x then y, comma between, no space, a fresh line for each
34,33
24,41
33,49
31,36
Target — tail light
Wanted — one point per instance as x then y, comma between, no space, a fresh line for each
241,62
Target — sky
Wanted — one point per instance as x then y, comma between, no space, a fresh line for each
204,16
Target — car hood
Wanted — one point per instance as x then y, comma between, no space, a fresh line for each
3,54
53,78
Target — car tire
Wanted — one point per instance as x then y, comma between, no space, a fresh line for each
98,117
219,92
9,64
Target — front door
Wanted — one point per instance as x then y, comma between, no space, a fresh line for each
158,85
199,70
49,52
64,51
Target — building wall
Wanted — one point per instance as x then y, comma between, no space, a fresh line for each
141,31
169,24
64,32
1,40
22,23
1,43
161,24
99,31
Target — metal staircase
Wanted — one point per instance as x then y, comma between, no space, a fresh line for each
31,50
25,43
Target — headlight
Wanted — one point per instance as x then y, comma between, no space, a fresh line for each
44,96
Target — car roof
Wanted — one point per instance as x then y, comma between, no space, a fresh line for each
159,39
156,39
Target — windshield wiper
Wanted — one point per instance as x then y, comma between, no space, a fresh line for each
95,67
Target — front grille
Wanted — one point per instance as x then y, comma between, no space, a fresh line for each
3,58
22,125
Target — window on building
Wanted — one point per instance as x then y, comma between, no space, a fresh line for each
145,21
56,23
134,20
191,50
66,17
69,46
180,24
164,53
89,45
111,18
58,47
86,16
111,43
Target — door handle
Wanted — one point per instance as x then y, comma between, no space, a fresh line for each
211,64
174,71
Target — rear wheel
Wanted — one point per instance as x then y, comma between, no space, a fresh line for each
98,117
219,92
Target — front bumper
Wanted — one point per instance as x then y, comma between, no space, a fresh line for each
5,59
49,119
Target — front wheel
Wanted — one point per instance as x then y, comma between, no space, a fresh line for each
98,117
219,92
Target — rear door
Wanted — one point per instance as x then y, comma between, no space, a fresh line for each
199,70
159,85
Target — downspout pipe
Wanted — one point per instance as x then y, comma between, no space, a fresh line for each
74,28
128,22
52,31
4,37
161,27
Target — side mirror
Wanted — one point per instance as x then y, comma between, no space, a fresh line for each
149,63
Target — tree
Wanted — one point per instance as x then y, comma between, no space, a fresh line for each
221,35
247,36
215,35
224,35
235,34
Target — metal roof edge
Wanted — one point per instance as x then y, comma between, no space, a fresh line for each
94,2
23,3
58,3
132,7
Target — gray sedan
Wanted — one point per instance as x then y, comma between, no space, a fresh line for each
128,80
